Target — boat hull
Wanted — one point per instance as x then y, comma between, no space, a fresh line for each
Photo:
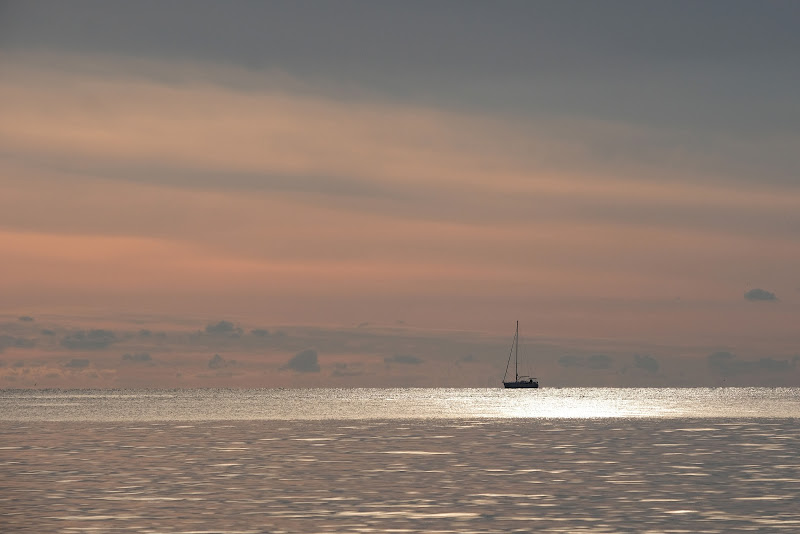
518,385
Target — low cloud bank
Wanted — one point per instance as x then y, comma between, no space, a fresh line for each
91,340
7,342
726,363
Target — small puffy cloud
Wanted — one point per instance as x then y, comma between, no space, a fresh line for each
595,361
305,361
405,359
26,318
137,357
757,294
144,332
218,362
91,340
77,363
259,332
469,358
223,328
15,342
648,363
48,332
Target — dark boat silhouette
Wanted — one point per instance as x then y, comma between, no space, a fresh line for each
519,381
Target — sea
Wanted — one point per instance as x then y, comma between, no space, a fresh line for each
238,461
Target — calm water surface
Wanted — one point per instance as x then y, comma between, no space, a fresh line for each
400,460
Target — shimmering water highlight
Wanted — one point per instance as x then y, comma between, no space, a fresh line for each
615,469
400,403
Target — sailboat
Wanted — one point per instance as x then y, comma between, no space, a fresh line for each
519,381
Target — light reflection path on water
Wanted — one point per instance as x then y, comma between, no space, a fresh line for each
416,475
404,460
400,403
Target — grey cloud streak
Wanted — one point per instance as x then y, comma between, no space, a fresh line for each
676,62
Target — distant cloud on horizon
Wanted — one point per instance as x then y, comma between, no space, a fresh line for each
223,328
305,361
648,363
218,362
758,294
727,363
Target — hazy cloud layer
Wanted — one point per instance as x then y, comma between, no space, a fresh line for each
671,63
595,361
137,357
406,359
417,358
727,363
7,341
305,361
89,340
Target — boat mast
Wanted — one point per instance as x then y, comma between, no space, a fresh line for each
516,353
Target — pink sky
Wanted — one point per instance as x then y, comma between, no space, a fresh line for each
183,193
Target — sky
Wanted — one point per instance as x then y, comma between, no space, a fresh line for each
298,194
